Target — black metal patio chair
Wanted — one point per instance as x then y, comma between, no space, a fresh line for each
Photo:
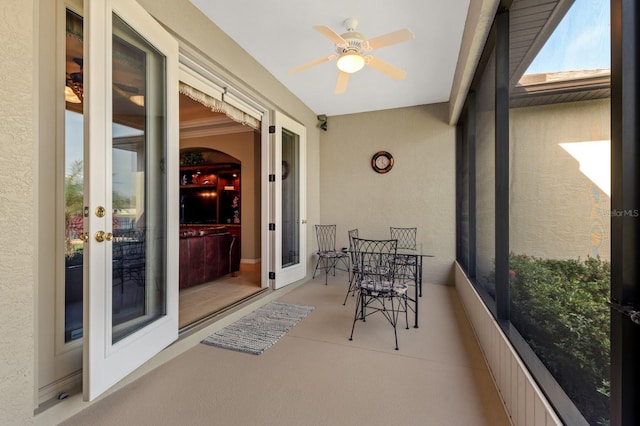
328,257
406,265
376,287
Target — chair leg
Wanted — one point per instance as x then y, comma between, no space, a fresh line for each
316,269
351,289
406,310
329,263
394,321
355,315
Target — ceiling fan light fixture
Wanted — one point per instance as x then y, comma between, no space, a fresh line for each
137,99
71,96
350,62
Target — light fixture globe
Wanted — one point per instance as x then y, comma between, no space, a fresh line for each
350,62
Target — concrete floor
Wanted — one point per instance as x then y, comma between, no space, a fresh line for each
315,376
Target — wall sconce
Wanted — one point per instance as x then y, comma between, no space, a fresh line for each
322,122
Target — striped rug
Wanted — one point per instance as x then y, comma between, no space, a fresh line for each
261,329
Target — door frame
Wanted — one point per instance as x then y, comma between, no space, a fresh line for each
202,77
286,276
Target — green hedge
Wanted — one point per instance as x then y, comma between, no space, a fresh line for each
560,308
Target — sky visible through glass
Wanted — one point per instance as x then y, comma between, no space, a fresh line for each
123,162
580,42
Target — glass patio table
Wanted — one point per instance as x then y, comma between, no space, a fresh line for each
416,255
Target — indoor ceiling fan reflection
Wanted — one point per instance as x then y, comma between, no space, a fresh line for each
350,52
74,90
129,92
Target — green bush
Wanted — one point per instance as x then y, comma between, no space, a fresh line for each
560,308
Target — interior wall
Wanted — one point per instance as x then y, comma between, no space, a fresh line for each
419,191
241,146
18,177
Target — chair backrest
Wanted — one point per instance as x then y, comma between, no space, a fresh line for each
376,261
353,233
326,235
406,237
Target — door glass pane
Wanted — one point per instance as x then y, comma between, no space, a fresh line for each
138,182
290,198
73,180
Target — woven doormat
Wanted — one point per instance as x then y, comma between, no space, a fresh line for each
261,329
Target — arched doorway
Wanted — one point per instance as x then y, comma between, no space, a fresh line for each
219,207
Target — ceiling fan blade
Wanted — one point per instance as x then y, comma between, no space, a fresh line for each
331,35
312,63
341,85
385,68
389,39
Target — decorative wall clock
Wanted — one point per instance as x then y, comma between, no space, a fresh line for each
382,161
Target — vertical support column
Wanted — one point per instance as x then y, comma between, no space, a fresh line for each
625,207
471,155
502,166
461,161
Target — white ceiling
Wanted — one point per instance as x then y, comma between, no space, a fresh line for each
279,35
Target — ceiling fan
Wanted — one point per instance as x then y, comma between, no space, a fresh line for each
350,51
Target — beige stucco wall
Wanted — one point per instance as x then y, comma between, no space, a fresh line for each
241,146
419,191
17,214
556,210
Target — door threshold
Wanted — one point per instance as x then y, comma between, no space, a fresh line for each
206,320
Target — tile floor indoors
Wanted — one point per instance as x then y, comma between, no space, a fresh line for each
315,376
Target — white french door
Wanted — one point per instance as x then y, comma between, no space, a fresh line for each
290,205
130,218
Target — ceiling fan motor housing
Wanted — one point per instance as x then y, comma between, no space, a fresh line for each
355,42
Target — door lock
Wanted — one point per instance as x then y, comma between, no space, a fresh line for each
103,236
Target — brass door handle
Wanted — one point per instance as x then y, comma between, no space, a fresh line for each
103,236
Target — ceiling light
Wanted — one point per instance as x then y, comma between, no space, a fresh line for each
350,62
